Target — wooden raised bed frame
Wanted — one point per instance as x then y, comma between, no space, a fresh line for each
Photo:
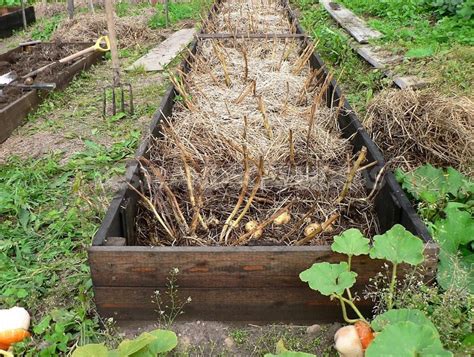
13,115
13,19
258,283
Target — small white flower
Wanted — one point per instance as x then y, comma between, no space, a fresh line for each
175,270
189,299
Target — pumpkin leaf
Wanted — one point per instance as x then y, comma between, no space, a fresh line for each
93,349
165,341
351,242
398,245
455,230
129,347
407,339
329,278
394,316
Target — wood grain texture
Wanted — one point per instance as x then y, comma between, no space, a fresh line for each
219,267
353,24
236,304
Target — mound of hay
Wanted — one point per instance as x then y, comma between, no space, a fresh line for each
250,16
416,127
226,141
131,31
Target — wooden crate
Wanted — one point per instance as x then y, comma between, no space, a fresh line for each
245,283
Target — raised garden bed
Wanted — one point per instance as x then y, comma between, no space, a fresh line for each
11,19
245,280
15,103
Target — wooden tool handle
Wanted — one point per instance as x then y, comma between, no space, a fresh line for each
77,54
109,11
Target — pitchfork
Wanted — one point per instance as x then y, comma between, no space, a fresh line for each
117,88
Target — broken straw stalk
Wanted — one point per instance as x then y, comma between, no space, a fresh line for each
223,133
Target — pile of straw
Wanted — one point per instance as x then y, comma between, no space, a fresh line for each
250,16
252,136
416,127
131,31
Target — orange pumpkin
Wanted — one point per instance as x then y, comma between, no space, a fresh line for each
366,335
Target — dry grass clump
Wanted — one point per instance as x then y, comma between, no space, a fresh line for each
250,16
416,127
131,30
250,140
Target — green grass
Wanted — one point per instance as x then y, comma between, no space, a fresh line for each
178,11
358,80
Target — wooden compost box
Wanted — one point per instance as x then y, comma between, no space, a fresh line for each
12,115
236,283
11,19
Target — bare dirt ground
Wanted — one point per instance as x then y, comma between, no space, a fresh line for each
211,338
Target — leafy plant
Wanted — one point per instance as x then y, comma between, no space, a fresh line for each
463,8
148,344
177,11
445,200
397,245
409,329
9,3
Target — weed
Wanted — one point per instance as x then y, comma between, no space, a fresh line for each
46,28
168,303
239,336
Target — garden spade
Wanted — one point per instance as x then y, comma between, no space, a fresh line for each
117,90
9,80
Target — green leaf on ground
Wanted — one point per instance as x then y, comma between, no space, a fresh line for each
419,52
329,278
165,341
282,351
398,245
408,339
94,349
351,242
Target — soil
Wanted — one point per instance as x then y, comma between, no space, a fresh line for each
31,58
211,338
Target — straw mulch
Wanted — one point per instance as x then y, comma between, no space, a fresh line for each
131,31
416,127
248,142
250,16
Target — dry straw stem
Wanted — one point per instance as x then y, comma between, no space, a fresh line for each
322,228
151,206
266,121
247,236
352,173
253,16
415,127
131,30
212,139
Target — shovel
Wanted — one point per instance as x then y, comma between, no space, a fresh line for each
9,79
102,45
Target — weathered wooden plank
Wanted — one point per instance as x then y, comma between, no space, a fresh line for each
353,24
377,57
238,304
412,82
160,56
13,20
219,267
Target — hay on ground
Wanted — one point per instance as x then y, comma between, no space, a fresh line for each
416,127
131,31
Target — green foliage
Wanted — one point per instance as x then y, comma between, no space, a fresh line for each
4,3
45,29
392,317
328,278
445,200
148,344
462,8
397,245
177,11
351,242
408,339
282,351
